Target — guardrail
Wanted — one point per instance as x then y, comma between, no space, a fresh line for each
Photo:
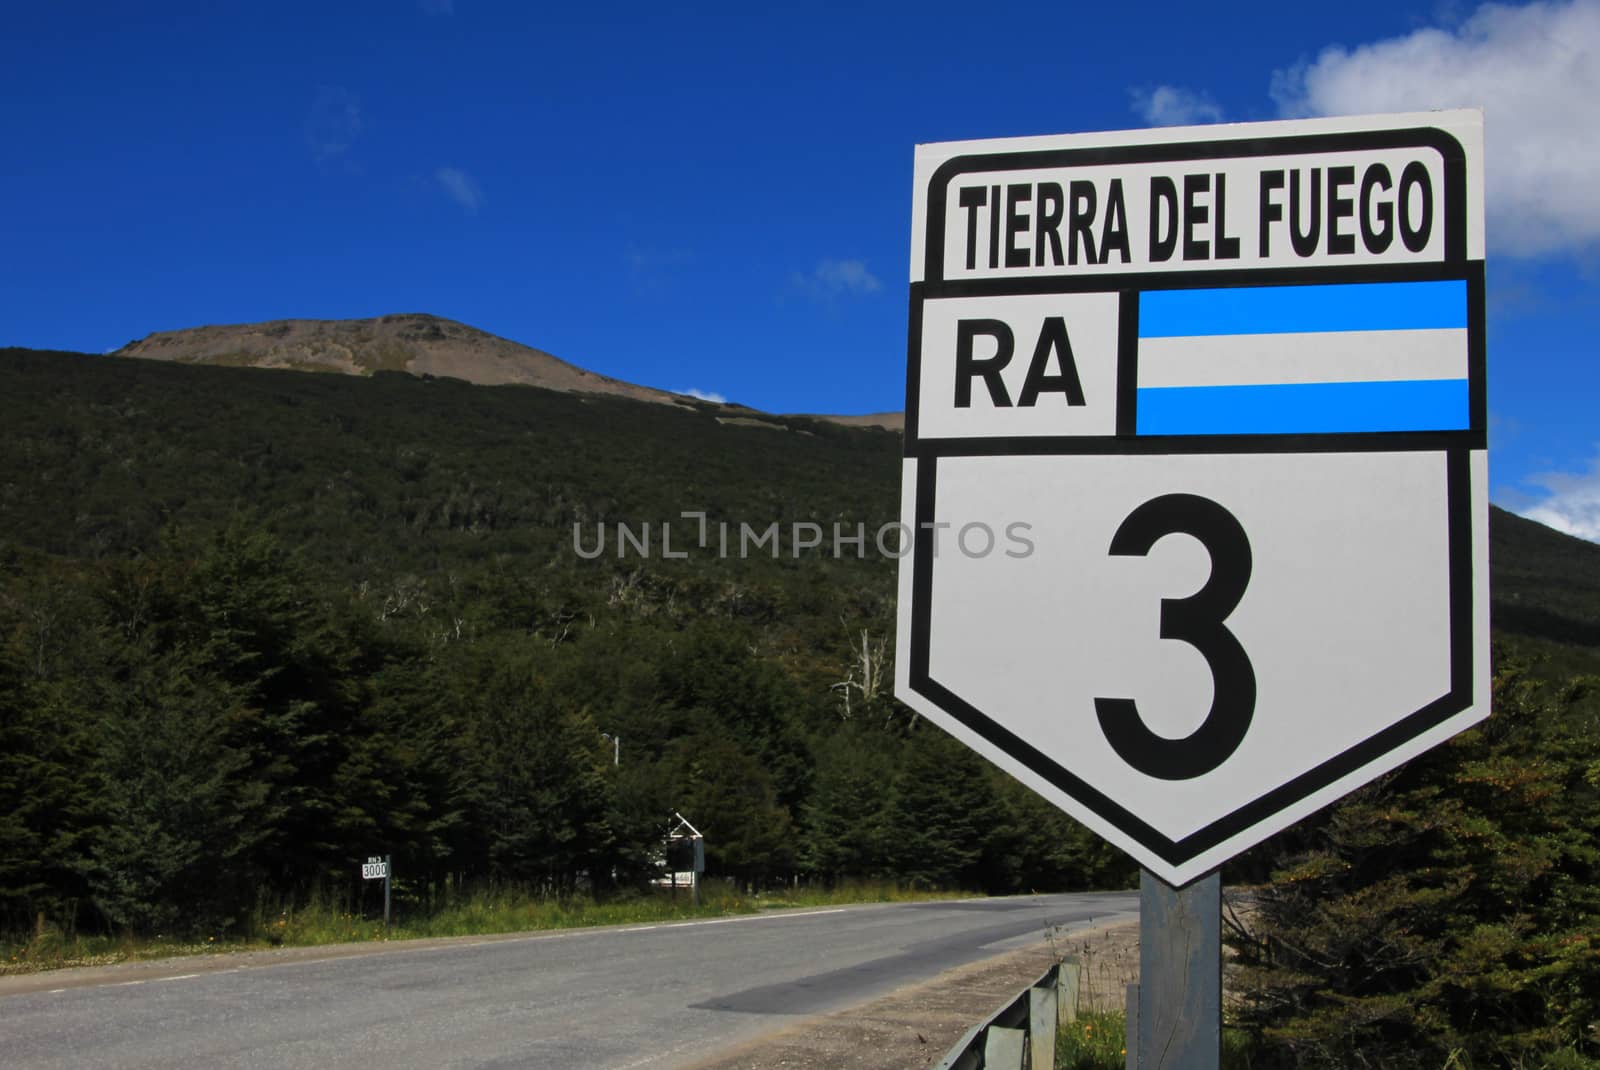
1022,1034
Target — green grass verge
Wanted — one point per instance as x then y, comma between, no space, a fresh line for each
476,913
1099,1041
1094,1041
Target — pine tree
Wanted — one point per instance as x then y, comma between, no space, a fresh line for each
845,836
942,815
179,820
1452,908
541,795
47,801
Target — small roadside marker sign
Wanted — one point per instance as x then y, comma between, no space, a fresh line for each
1223,389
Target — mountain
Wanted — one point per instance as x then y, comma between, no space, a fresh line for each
1545,587
405,342
530,464
417,343
888,421
397,471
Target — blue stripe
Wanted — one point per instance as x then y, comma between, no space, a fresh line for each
1303,408
1374,306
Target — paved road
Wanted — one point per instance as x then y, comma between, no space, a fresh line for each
622,998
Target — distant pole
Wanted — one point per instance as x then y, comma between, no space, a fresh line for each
388,876
1179,1023
616,747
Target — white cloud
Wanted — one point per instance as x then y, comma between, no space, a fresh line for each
1170,105
460,187
832,278
703,395
333,123
1573,503
1535,70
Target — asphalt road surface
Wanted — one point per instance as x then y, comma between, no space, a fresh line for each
620,998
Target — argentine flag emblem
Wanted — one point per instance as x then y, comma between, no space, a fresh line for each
1317,359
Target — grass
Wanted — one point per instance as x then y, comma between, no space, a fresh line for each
454,913
1099,1041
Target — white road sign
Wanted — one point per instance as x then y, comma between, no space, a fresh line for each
1222,391
374,869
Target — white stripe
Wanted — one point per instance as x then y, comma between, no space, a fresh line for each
775,915
1332,357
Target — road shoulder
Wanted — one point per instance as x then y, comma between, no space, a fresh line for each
915,1026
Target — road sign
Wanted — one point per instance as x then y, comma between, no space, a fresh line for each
1195,466
374,869
686,854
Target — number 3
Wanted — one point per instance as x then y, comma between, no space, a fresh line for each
1199,621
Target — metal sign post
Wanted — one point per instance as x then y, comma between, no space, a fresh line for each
1179,1021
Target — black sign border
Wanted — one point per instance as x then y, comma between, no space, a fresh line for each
1456,446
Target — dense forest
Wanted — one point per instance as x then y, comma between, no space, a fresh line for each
256,626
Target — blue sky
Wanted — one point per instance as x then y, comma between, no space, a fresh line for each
718,197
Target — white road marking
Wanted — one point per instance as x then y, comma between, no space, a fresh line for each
770,917
728,921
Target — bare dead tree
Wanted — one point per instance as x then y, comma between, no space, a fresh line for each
867,663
